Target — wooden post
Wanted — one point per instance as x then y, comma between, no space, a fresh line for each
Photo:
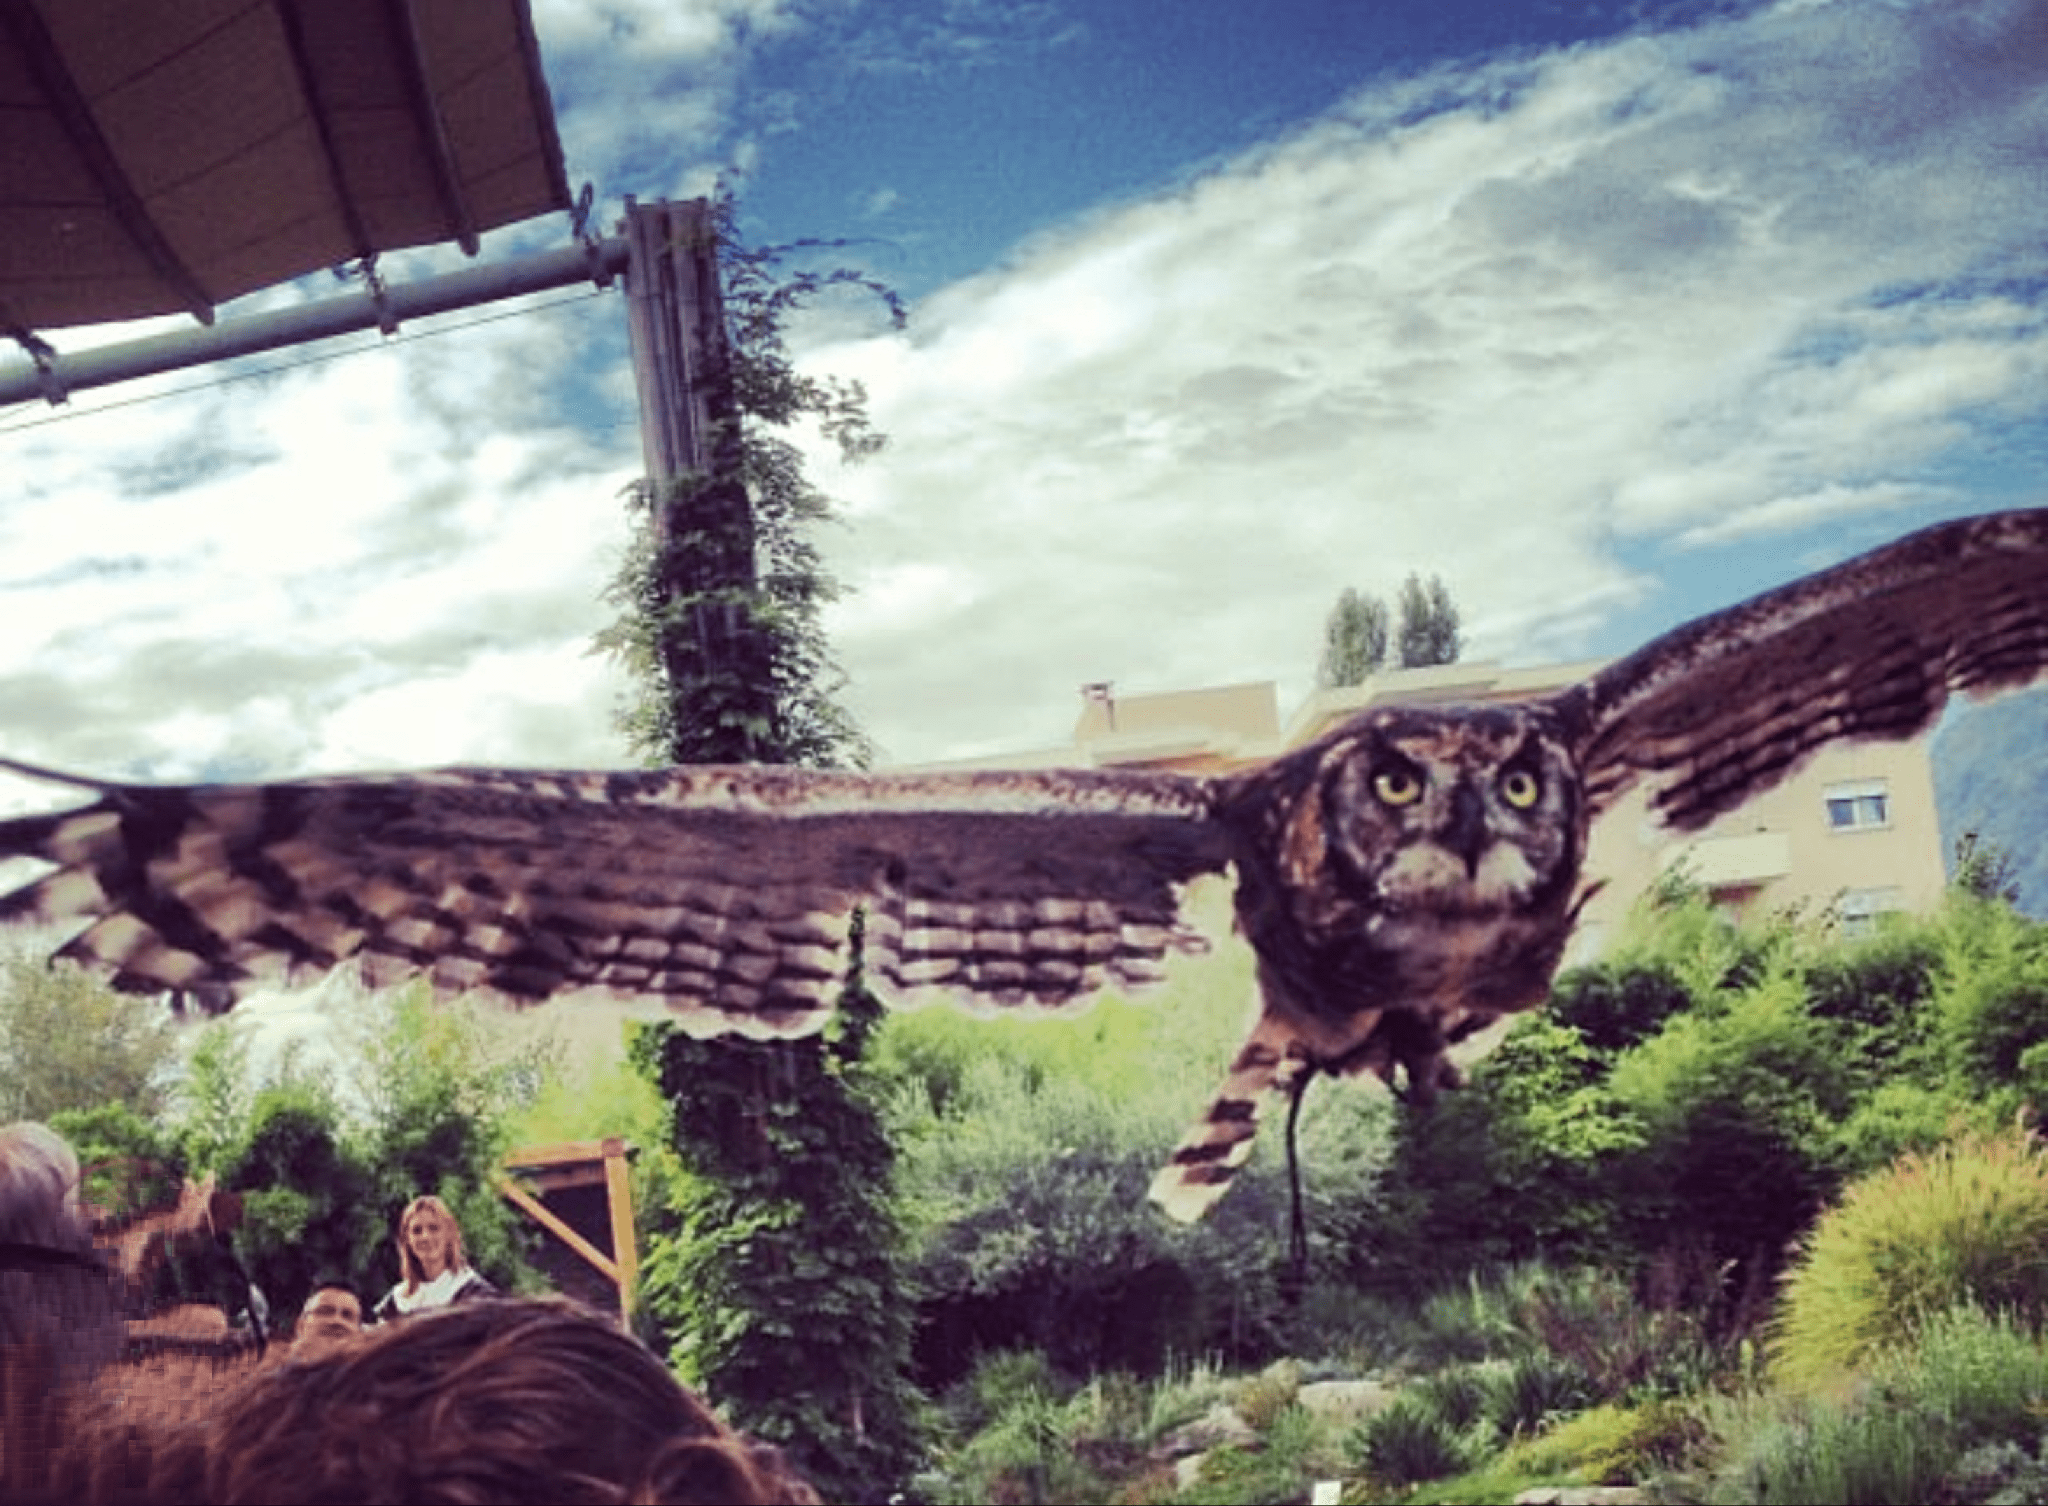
619,1199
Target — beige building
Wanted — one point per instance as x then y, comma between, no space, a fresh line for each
1854,830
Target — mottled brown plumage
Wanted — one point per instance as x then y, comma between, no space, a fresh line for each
1404,880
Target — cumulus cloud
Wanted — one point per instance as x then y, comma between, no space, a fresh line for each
1560,327
1498,322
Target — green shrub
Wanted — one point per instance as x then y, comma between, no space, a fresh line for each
1611,1445
1293,1454
1266,1395
1532,1390
1615,1006
1460,1396
1967,1222
1994,1005
1409,1441
1594,1324
1902,1115
1967,1382
1739,1109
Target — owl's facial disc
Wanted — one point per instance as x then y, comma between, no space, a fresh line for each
1456,813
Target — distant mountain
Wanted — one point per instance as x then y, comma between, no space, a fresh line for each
1991,777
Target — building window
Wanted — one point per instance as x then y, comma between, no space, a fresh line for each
1856,910
1862,806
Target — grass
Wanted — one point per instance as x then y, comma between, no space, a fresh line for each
1967,1222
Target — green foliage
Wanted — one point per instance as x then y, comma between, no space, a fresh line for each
1533,1389
721,592
1994,1002
1612,1445
1428,632
1615,1007
1966,1390
1409,1441
68,1041
1025,1151
129,1163
778,1285
1517,1165
1293,1453
1354,640
1984,870
1967,1222
1737,1111
308,1206
216,1095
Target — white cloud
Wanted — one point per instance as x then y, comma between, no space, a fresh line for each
1515,323
1487,323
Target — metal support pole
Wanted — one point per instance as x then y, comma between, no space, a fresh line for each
20,381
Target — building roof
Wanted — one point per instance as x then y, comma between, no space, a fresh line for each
165,156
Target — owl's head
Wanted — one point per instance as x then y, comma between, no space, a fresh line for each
1455,810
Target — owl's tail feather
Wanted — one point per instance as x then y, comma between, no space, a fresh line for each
1208,1157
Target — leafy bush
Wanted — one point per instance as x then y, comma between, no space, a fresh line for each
1738,1108
1409,1441
1293,1453
1967,1222
1533,1390
1965,1383
1594,1326
1264,1396
69,1041
1994,1000
1613,1006
1024,1151
1612,1445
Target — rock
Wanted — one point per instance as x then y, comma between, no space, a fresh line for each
1219,1427
1344,1403
1582,1495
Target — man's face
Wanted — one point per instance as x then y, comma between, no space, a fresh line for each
331,1316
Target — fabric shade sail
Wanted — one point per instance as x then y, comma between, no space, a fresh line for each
165,156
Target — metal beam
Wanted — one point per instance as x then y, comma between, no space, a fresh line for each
596,262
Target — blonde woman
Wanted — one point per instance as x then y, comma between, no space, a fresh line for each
435,1269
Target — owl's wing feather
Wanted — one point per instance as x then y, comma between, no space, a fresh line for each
724,895
1727,705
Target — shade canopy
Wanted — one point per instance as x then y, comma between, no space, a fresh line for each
165,156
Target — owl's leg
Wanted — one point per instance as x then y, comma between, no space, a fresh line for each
1272,1060
1415,1043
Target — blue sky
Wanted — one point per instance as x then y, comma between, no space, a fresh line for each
1608,314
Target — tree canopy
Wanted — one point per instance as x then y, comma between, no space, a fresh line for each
1357,636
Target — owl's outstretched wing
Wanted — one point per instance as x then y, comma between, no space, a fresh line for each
724,894
1722,708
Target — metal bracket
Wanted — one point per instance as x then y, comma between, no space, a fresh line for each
364,270
49,380
579,226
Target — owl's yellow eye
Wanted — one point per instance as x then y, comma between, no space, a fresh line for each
1519,788
1397,787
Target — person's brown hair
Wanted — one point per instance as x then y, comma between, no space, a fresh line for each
511,1401
59,1318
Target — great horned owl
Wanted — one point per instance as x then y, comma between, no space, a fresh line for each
1410,876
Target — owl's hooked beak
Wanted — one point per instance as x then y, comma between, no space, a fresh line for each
1464,833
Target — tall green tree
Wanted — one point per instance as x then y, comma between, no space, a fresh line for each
1354,640
777,1276
68,1041
1429,623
